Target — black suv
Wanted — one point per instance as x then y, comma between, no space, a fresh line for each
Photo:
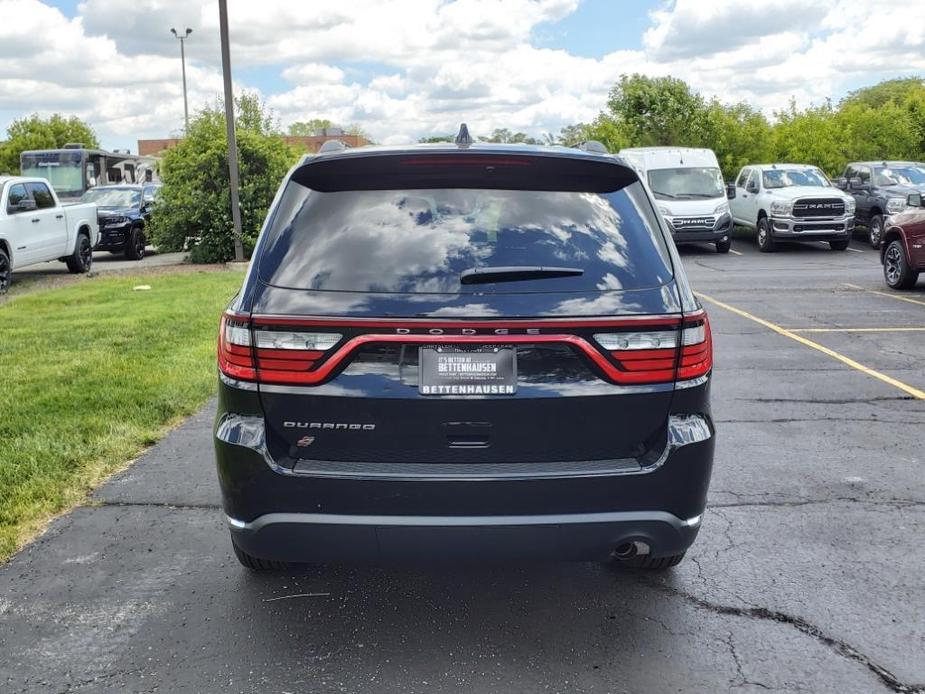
123,211
880,189
464,350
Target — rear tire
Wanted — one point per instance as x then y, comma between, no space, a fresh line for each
875,231
135,244
765,242
82,259
841,245
648,563
723,246
896,270
255,563
6,271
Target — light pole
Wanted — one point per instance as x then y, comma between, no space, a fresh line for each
229,129
183,67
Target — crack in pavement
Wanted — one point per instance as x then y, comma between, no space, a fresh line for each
842,648
787,503
100,503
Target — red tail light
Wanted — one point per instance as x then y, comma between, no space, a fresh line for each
655,356
296,351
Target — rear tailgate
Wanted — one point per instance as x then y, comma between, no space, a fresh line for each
357,308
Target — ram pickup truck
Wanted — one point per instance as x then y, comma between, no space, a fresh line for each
123,213
36,227
881,189
791,202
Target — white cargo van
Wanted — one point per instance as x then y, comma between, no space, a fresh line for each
688,187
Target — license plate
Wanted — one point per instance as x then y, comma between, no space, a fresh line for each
458,371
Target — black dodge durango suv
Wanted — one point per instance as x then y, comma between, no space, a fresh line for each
464,350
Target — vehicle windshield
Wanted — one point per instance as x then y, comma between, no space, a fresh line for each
691,183
63,170
113,197
899,175
422,241
785,178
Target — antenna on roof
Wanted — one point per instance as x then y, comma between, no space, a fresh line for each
463,138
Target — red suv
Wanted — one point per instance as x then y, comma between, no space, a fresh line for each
903,249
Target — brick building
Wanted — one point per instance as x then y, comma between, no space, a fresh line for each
308,143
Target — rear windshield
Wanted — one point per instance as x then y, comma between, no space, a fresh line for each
421,241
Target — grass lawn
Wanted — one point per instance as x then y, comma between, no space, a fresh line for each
90,374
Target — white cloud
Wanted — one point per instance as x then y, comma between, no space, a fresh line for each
407,68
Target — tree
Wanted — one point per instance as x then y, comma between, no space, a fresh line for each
505,136
657,111
738,134
195,202
431,139
34,132
309,127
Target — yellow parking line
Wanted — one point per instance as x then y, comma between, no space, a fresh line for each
887,294
906,388
735,252
856,330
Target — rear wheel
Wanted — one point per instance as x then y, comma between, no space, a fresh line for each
82,258
875,231
723,246
896,270
765,242
255,563
135,244
6,271
839,245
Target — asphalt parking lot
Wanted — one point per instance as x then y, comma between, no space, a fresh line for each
807,575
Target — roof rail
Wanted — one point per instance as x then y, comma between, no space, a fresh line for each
73,145
593,146
332,146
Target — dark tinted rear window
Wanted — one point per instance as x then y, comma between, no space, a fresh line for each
419,241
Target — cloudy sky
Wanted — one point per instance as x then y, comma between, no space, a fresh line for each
407,68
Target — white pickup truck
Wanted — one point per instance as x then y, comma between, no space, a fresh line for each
791,202
36,227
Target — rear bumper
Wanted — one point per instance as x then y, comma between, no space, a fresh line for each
570,512
326,537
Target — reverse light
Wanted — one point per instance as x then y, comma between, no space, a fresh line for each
274,339
660,339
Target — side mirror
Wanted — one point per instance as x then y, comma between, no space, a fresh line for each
841,183
914,200
730,191
751,187
856,184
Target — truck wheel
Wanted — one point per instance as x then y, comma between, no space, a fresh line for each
135,244
82,259
765,242
6,271
723,246
840,245
896,270
255,564
875,230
